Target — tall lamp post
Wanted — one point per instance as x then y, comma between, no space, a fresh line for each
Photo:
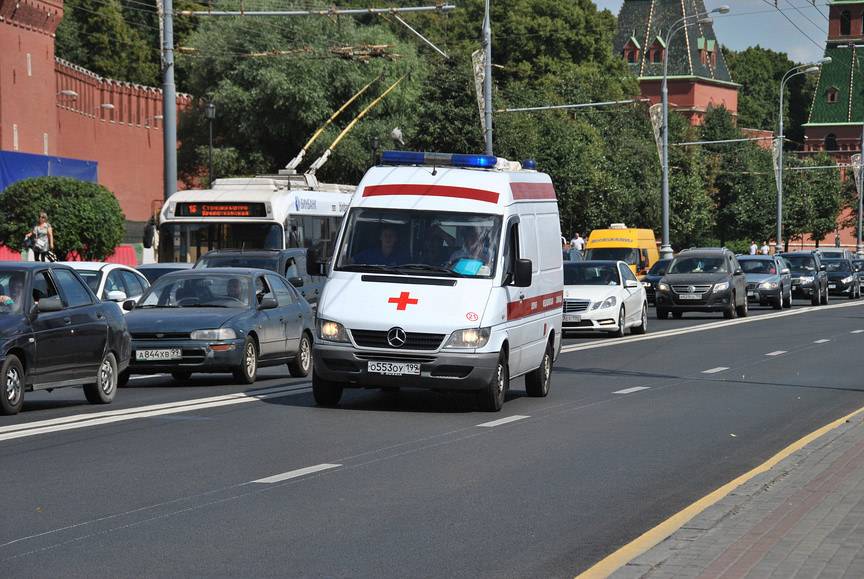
210,111
808,68
677,26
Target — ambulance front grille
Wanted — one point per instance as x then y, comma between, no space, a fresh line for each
413,340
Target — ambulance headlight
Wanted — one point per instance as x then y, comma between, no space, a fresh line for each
332,331
469,338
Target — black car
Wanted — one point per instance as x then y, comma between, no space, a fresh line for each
231,320
653,277
702,280
809,278
153,271
290,263
769,280
55,333
842,278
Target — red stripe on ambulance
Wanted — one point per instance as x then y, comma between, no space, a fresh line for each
432,191
523,191
535,305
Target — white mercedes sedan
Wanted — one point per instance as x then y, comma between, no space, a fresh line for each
111,282
603,296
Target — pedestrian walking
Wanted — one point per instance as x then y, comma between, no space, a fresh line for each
43,238
577,243
753,248
765,249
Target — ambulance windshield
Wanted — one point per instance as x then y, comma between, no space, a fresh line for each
420,243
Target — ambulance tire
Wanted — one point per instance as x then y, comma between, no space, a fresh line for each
537,381
491,398
326,393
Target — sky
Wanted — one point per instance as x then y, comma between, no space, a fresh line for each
752,22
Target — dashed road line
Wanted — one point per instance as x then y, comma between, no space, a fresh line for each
776,353
632,390
822,341
715,370
501,421
296,473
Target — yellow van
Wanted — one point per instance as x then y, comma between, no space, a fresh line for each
636,247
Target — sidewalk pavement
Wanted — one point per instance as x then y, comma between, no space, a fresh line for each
803,518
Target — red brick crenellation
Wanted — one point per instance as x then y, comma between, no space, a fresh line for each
37,15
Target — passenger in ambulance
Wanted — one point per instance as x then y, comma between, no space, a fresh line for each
472,248
388,254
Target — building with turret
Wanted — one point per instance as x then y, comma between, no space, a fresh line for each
697,77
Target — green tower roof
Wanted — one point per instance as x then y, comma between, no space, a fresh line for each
844,77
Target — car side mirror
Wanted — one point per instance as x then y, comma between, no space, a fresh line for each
822,267
129,305
116,296
785,271
630,283
268,303
522,273
52,304
296,281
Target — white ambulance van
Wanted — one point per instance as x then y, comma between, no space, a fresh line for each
447,275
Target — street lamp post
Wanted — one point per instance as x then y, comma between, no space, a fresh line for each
677,26
793,72
210,111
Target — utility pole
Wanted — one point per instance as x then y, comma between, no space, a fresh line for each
859,181
487,77
169,101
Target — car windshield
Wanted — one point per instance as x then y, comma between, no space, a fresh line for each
586,273
703,264
198,291
257,262
838,265
659,268
92,278
759,266
801,264
11,291
420,243
628,255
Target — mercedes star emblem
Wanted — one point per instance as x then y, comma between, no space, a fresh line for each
396,337
691,289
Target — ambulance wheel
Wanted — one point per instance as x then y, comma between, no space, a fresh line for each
491,398
326,393
537,381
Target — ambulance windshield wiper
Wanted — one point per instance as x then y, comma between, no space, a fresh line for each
439,269
369,267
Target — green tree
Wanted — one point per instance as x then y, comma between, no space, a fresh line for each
86,217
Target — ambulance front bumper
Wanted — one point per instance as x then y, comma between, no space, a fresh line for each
437,371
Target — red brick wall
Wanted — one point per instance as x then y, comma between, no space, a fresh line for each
692,98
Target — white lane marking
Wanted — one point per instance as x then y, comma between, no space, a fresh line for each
146,376
822,341
97,419
857,332
296,473
715,370
501,421
705,327
631,390
776,353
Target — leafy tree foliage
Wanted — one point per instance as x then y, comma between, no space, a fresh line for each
86,217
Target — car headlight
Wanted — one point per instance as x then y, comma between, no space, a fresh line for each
607,303
805,279
469,338
721,287
214,335
646,284
663,287
847,279
769,285
332,331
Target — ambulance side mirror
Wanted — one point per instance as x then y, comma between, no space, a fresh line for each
522,274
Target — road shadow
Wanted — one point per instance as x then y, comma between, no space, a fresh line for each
614,373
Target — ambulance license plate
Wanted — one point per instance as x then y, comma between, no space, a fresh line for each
394,368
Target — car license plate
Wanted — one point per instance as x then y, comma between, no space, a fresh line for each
751,294
689,296
832,286
572,318
153,355
394,368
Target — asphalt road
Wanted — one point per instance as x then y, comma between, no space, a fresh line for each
204,480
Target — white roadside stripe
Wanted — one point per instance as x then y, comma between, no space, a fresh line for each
776,353
631,390
857,332
98,419
822,341
705,327
715,370
501,421
146,376
296,473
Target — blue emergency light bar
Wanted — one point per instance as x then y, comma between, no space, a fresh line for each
438,159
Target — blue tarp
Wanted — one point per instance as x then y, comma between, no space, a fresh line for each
16,166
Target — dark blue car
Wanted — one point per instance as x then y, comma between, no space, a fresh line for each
220,320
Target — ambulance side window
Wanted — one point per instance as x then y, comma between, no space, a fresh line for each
511,252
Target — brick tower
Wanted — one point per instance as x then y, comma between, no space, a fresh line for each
697,76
